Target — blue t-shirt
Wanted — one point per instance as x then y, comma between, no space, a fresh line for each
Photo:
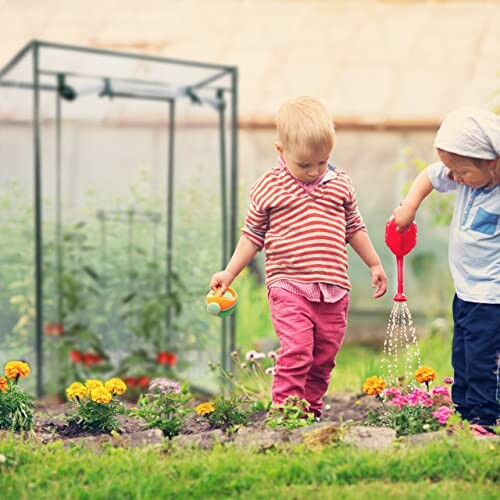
474,247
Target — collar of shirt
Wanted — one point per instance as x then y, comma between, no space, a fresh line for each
328,175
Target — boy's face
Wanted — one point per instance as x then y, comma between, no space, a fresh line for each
465,172
304,166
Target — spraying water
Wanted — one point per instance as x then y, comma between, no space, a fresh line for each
401,353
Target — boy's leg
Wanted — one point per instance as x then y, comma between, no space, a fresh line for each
459,388
291,317
330,321
481,324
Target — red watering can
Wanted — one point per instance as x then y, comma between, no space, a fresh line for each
400,243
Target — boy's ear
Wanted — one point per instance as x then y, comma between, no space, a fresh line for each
278,147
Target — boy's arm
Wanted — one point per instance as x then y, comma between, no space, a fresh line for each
243,254
420,189
360,242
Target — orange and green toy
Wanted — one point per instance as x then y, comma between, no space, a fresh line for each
221,305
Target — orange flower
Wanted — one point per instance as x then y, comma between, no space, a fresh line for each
374,385
100,395
204,408
425,374
3,384
116,386
17,369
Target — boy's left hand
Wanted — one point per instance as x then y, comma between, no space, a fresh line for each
379,280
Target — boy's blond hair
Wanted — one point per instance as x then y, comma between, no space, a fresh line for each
305,123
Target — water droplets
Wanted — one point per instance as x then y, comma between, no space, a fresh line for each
401,353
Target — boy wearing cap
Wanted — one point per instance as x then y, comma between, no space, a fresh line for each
468,144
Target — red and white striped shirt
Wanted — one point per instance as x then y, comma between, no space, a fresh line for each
304,234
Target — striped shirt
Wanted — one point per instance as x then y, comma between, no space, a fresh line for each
304,234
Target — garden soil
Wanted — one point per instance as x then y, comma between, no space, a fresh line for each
51,418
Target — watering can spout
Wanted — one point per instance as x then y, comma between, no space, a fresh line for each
400,243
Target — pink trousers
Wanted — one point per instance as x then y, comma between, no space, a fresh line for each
310,335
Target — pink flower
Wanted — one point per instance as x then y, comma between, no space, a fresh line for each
442,414
392,393
440,390
400,401
419,397
448,380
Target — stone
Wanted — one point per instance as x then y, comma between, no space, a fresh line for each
373,438
423,438
204,440
261,440
317,435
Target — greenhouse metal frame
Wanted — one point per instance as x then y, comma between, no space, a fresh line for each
206,91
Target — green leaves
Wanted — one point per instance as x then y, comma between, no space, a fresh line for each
164,410
16,408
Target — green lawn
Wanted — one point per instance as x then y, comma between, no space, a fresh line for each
456,468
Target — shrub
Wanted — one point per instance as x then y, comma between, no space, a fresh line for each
163,406
97,404
293,413
15,405
411,411
225,412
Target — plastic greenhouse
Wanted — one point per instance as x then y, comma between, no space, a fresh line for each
118,186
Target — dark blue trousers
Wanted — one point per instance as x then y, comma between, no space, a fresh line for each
475,360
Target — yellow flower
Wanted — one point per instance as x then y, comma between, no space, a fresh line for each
92,384
204,408
3,384
100,395
374,385
16,369
116,386
425,374
76,390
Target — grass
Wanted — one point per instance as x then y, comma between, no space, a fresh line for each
454,468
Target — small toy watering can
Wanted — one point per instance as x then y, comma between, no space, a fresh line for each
221,305
400,243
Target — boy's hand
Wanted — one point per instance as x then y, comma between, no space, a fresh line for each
379,280
220,281
403,216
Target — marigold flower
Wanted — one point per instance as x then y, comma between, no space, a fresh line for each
425,374
3,384
76,390
100,395
16,369
374,385
92,384
204,408
116,386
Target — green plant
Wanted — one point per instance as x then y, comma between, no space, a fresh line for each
97,405
250,375
164,407
15,405
225,412
411,411
293,413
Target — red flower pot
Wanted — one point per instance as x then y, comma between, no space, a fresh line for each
54,329
166,358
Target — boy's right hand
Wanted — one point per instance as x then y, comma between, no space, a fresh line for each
220,281
403,216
